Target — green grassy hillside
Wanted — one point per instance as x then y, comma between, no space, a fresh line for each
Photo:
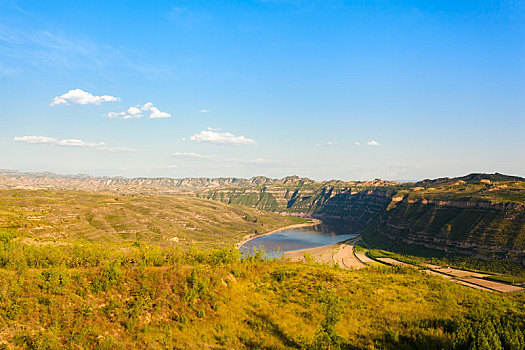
158,298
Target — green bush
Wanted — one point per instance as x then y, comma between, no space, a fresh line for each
326,337
108,276
7,235
55,280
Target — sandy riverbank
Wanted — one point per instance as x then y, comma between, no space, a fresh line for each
341,254
251,236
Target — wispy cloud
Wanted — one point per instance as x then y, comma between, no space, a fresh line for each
221,138
368,143
203,111
7,71
23,48
135,112
186,17
39,47
326,144
218,158
81,97
99,146
193,155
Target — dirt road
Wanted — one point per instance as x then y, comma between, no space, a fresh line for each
341,254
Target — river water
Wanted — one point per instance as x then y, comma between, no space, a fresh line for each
277,243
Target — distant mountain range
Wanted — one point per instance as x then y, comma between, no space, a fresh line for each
42,180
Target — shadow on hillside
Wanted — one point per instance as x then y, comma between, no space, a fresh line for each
354,210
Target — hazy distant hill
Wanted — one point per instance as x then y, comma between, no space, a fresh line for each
47,180
16,179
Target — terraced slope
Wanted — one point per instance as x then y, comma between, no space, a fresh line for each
51,216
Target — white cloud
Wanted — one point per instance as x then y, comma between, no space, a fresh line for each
36,139
221,138
112,115
99,146
329,143
135,112
155,113
204,111
77,143
81,97
369,143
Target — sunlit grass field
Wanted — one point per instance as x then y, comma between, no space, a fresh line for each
166,298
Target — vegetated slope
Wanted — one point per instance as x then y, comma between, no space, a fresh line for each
472,178
167,298
52,216
478,217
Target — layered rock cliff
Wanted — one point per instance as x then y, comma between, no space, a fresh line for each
480,215
356,203
479,229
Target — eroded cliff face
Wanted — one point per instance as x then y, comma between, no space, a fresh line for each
357,205
483,230
479,218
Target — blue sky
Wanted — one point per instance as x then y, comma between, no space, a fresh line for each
324,89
